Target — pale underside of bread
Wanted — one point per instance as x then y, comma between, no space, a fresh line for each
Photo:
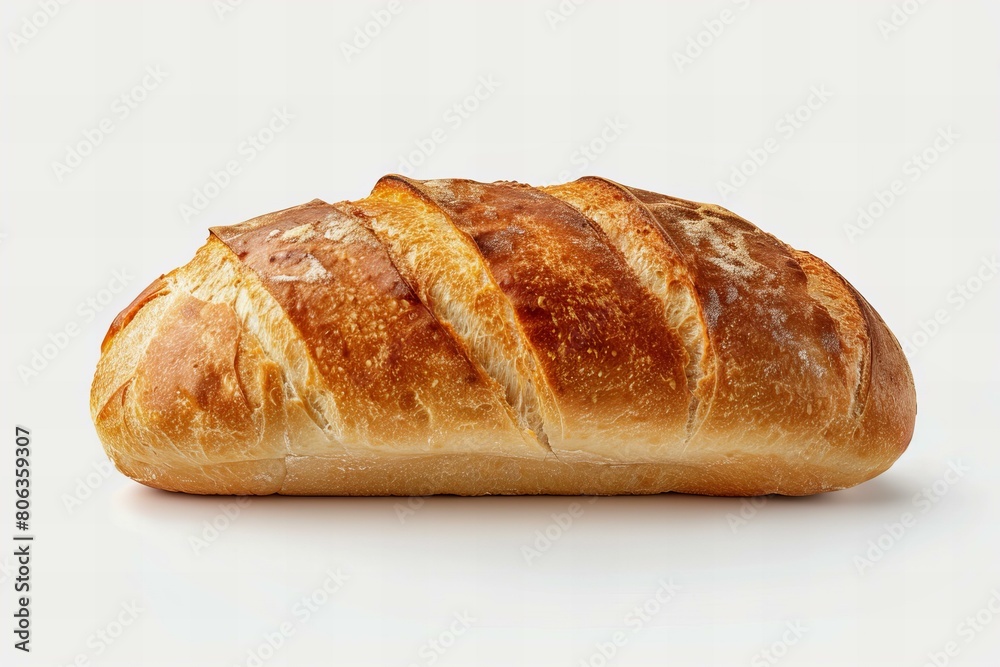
468,338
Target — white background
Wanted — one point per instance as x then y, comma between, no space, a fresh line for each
863,595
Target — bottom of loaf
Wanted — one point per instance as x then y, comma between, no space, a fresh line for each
476,475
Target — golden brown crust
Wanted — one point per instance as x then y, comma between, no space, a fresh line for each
634,231
443,266
201,392
612,365
459,337
391,368
156,288
473,474
779,368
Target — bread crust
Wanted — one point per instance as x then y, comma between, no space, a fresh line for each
469,338
608,358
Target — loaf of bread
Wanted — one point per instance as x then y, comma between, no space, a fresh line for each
455,337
